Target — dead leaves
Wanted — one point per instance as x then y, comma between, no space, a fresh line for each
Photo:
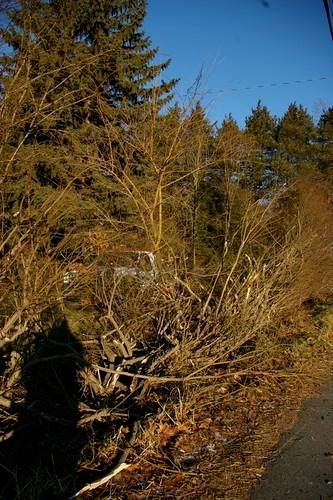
167,432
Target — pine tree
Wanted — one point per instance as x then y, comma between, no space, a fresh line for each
198,162
325,143
42,153
221,191
236,149
112,31
261,125
84,52
296,134
325,126
75,68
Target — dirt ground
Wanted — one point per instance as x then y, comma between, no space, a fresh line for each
237,452
231,449
228,452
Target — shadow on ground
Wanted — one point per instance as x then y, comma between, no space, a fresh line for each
39,460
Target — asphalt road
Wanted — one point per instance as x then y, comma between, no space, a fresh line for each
302,464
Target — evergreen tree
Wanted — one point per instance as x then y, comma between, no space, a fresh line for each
229,141
235,150
74,67
199,162
229,127
221,191
325,126
112,31
325,142
43,152
296,135
82,52
261,126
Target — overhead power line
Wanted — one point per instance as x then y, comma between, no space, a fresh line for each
273,84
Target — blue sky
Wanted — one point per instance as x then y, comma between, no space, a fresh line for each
244,43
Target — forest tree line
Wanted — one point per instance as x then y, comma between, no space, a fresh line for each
85,121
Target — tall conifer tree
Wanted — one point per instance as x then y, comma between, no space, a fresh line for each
261,126
325,139
296,133
71,67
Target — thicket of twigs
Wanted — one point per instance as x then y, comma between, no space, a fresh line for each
95,366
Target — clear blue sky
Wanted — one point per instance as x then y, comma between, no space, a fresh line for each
245,43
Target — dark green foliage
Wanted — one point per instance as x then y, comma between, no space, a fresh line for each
84,53
325,143
84,136
296,134
221,190
261,126
112,31
76,68
198,158
325,126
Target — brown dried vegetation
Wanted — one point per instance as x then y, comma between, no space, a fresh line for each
168,376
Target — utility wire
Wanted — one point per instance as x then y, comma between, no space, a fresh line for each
270,85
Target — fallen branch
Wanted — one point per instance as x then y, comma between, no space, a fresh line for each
121,465
5,402
10,434
100,482
99,415
192,378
